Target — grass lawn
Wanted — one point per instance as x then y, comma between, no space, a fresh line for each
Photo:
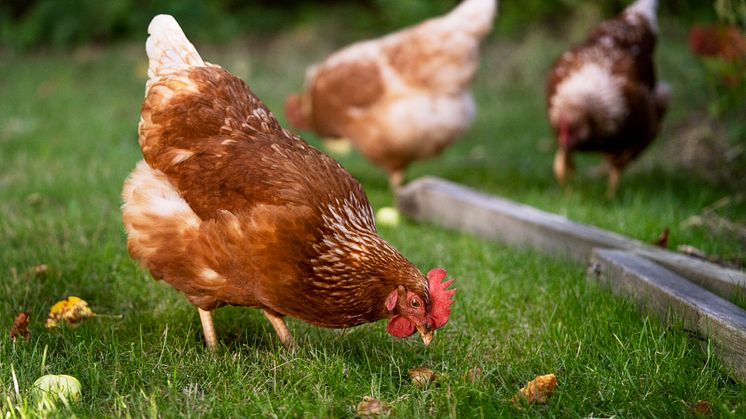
68,139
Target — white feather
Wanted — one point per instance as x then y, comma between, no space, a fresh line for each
591,88
148,193
646,8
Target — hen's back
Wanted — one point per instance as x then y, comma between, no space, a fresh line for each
633,34
217,143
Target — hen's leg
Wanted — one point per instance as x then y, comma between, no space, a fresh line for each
396,178
564,168
614,173
208,328
282,330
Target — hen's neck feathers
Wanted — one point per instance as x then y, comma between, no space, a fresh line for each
647,9
358,270
351,249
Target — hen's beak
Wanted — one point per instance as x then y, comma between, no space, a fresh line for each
426,335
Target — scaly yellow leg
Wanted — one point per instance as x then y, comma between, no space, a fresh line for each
282,330
396,178
208,328
614,174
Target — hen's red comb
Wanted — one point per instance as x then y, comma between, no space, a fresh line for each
440,296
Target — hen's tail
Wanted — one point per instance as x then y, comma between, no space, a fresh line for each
475,16
168,48
647,8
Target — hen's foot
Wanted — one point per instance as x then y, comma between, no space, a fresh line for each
282,330
208,328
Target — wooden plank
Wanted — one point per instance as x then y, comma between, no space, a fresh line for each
670,297
494,218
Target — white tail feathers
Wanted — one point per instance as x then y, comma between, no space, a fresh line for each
646,8
168,48
477,15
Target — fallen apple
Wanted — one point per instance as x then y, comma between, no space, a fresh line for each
387,216
47,389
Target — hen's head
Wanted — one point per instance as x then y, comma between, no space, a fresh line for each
573,127
294,113
423,313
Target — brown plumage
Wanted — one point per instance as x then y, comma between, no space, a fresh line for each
602,95
229,208
400,98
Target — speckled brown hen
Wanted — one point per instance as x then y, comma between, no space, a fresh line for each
402,97
602,95
229,208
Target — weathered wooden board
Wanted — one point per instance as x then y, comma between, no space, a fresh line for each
458,207
670,297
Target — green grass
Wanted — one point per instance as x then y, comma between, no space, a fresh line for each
68,140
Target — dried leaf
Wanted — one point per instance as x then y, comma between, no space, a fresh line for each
538,390
662,240
422,376
702,407
20,326
71,310
373,408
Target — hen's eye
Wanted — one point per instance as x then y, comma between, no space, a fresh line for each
414,304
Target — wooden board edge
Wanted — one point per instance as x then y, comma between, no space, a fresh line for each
669,296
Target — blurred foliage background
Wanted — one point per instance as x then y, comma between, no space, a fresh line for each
38,25
28,24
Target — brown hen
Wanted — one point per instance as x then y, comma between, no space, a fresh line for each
400,98
603,96
229,208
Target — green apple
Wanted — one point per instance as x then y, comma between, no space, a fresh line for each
387,216
47,389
